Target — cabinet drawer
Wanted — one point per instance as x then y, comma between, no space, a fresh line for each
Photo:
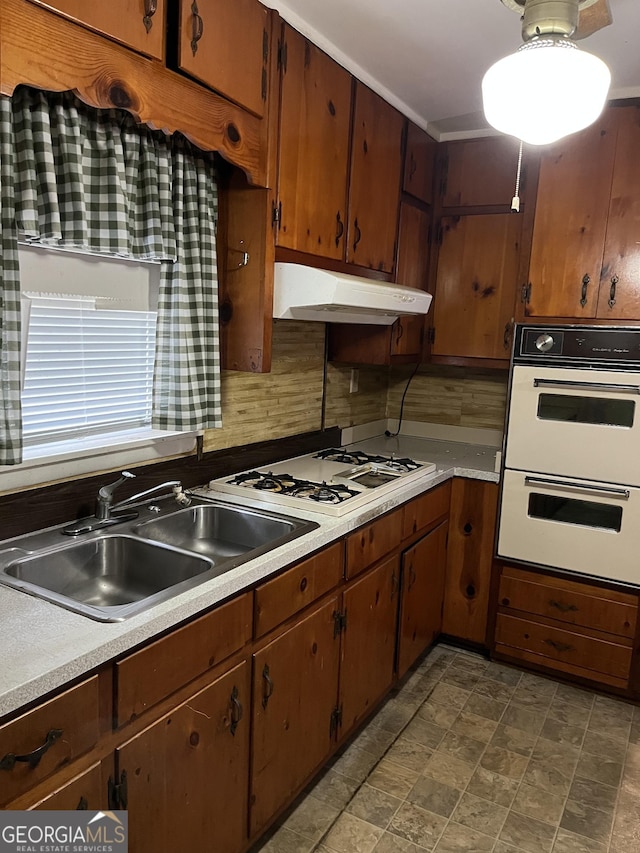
426,509
156,671
372,542
69,722
569,601
285,595
560,648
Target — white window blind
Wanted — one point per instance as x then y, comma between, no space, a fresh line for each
88,369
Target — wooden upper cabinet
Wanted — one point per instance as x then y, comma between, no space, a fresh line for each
315,114
476,285
138,24
225,45
412,269
479,172
571,222
374,192
619,294
419,164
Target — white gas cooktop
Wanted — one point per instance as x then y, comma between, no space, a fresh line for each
332,482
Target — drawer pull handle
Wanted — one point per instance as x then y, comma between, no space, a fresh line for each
268,683
358,234
339,229
150,8
562,606
9,761
612,291
585,284
236,711
560,647
83,804
197,27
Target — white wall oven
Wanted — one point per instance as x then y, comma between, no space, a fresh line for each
571,470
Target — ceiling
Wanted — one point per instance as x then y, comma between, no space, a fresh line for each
428,57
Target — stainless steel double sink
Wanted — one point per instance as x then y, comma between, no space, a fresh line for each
112,575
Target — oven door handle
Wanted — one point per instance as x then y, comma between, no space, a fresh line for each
605,490
593,386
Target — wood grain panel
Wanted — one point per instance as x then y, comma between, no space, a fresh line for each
156,671
86,791
371,542
622,246
422,512
366,405
74,713
567,601
121,20
564,647
480,172
419,163
472,524
290,592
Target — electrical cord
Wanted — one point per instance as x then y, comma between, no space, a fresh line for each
404,394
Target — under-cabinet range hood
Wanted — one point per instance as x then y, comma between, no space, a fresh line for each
307,293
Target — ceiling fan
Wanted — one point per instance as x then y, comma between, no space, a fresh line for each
549,87
576,19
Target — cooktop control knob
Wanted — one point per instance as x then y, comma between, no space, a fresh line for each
544,343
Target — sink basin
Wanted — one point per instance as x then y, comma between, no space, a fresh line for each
105,577
110,576
221,531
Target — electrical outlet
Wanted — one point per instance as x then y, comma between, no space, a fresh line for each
353,381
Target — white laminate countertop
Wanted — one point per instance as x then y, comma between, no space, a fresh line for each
45,646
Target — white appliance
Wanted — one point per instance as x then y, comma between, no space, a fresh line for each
570,494
333,481
307,293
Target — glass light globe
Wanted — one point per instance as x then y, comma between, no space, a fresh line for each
546,90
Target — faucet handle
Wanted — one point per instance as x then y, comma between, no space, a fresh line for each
107,491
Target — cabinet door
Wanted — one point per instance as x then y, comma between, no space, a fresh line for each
419,163
423,572
412,270
138,24
374,191
472,525
479,172
295,686
187,774
619,295
315,113
570,222
476,285
370,606
225,45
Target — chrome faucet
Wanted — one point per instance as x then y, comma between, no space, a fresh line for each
104,512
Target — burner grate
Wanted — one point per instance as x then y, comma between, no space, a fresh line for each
359,457
285,484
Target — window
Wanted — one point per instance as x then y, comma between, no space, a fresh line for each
87,369
88,347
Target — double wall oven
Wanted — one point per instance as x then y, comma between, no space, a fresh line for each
571,469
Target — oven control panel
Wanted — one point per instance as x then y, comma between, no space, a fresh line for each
584,345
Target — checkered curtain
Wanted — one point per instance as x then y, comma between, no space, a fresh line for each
77,177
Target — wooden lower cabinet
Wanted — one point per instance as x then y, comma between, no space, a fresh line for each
186,774
370,607
472,524
295,688
422,590
574,627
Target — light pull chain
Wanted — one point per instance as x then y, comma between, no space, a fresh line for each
515,201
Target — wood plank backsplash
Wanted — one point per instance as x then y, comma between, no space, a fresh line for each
287,401
459,396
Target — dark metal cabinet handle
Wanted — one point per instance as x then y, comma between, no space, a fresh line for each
562,606
150,8
268,683
559,647
585,283
83,804
197,27
612,291
358,236
9,761
339,228
236,711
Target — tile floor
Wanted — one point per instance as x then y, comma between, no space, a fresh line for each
477,756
